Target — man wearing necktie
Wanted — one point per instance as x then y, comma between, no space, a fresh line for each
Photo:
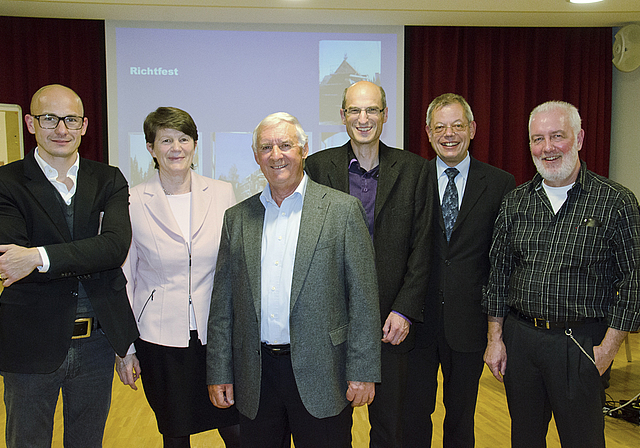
453,335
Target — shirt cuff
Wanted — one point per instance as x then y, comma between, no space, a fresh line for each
403,316
45,260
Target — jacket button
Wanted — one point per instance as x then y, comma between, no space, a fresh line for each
74,293
447,262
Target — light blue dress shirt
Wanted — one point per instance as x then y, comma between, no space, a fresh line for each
279,240
460,179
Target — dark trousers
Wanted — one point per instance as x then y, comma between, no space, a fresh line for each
385,412
282,413
547,374
85,378
461,373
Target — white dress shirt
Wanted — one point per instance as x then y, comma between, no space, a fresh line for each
67,194
279,240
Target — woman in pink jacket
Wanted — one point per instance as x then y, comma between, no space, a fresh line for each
176,218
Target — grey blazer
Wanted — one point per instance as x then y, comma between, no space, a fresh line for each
334,312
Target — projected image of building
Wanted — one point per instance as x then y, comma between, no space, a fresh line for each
361,61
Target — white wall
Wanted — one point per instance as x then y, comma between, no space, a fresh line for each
624,160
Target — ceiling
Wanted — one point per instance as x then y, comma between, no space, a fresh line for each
340,12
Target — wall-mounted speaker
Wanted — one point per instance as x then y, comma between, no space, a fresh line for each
626,48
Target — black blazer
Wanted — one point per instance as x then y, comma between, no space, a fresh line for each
402,221
460,269
37,313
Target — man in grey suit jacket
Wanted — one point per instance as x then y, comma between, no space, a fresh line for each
64,233
392,184
454,331
294,327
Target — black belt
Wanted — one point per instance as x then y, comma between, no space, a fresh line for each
549,325
83,327
277,349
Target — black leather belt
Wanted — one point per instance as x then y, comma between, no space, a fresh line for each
277,349
83,327
549,325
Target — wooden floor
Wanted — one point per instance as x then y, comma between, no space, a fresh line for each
131,422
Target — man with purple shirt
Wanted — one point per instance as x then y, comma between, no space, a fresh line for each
393,187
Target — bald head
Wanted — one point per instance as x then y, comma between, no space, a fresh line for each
54,93
57,144
365,88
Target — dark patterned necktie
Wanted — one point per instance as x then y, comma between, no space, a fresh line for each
450,202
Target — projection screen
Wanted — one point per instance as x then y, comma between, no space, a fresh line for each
230,76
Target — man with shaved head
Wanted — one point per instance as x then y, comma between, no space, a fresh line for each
64,312
392,185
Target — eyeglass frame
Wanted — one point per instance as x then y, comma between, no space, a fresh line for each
445,127
367,110
64,120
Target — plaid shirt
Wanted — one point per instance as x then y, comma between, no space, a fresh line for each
582,262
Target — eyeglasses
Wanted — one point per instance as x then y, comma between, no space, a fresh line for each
50,121
455,128
356,111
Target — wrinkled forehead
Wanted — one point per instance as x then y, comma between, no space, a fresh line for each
279,132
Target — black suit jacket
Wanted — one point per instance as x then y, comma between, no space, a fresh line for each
402,221
37,313
460,269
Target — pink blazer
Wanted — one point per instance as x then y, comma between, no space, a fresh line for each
157,267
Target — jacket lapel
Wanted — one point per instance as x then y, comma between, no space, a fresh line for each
86,191
314,212
436,196
387,179
476,185
337,175
44,194
252,223
158,207
202,197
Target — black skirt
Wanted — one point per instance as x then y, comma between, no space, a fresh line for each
174,381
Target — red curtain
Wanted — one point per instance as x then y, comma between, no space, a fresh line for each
37,52
504,73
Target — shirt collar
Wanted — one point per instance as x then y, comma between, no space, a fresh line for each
266,198
51,173
354,165
462,167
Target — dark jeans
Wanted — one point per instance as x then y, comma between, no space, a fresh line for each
85,377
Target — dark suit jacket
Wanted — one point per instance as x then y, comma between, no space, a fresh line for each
401,226
37,313
460,269
334,324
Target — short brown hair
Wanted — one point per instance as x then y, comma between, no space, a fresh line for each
168,118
